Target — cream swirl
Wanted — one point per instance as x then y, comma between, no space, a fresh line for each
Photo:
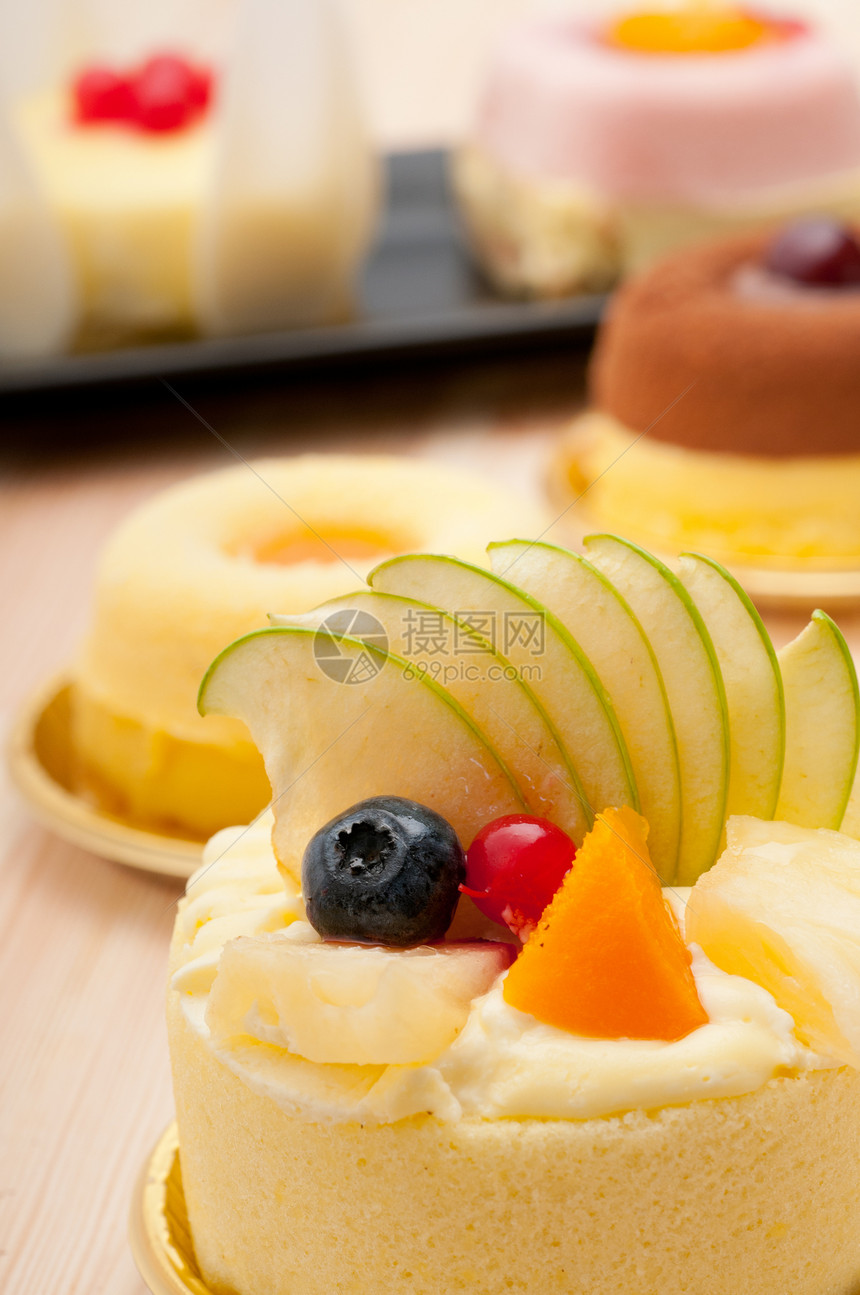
504,1063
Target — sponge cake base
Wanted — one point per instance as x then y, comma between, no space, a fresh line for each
759,1194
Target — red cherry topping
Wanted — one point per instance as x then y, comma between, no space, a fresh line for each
817,251
200,87
514,866
165,93
102,95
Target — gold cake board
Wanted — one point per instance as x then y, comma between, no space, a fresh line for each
158,1224
43,766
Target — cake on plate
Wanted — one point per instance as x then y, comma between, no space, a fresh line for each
207,560
200,195
427,1040
599,145
724,392
36,293
125,182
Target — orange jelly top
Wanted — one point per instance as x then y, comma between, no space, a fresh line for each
697,28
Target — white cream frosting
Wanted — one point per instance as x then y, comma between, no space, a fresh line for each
504,1063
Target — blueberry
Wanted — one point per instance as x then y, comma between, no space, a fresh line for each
387,871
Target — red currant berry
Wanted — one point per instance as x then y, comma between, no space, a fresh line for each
817,251
200,90
167,93
514,866
102,95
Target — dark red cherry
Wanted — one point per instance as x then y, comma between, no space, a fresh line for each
817,251
514,866
101,94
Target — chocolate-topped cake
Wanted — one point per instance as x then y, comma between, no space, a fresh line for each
732,367
791,350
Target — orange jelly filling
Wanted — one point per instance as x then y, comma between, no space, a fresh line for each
694,29
607,959
328,548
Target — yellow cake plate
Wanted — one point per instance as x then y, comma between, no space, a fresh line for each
771,585
45,770
158,1224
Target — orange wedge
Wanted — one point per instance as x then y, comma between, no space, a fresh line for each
607,959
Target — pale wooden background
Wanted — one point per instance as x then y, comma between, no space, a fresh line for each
84,1087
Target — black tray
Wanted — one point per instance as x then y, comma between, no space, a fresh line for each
419,292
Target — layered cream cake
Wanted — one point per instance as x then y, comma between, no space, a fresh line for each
128,203
36,297
187,202
207,560
587,1083
598,146
724,391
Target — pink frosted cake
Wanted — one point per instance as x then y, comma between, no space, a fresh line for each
596,148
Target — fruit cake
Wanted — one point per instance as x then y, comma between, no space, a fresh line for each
205,561
436,1025
724,392
598,145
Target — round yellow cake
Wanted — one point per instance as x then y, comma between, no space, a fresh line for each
304,1177
632,1086
798,511
205,562
754,1193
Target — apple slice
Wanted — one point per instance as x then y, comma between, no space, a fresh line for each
535,641
350,1004
753,684
593,611
328,744
694,686
822,726
490,689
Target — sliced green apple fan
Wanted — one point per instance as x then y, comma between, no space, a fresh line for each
555,684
